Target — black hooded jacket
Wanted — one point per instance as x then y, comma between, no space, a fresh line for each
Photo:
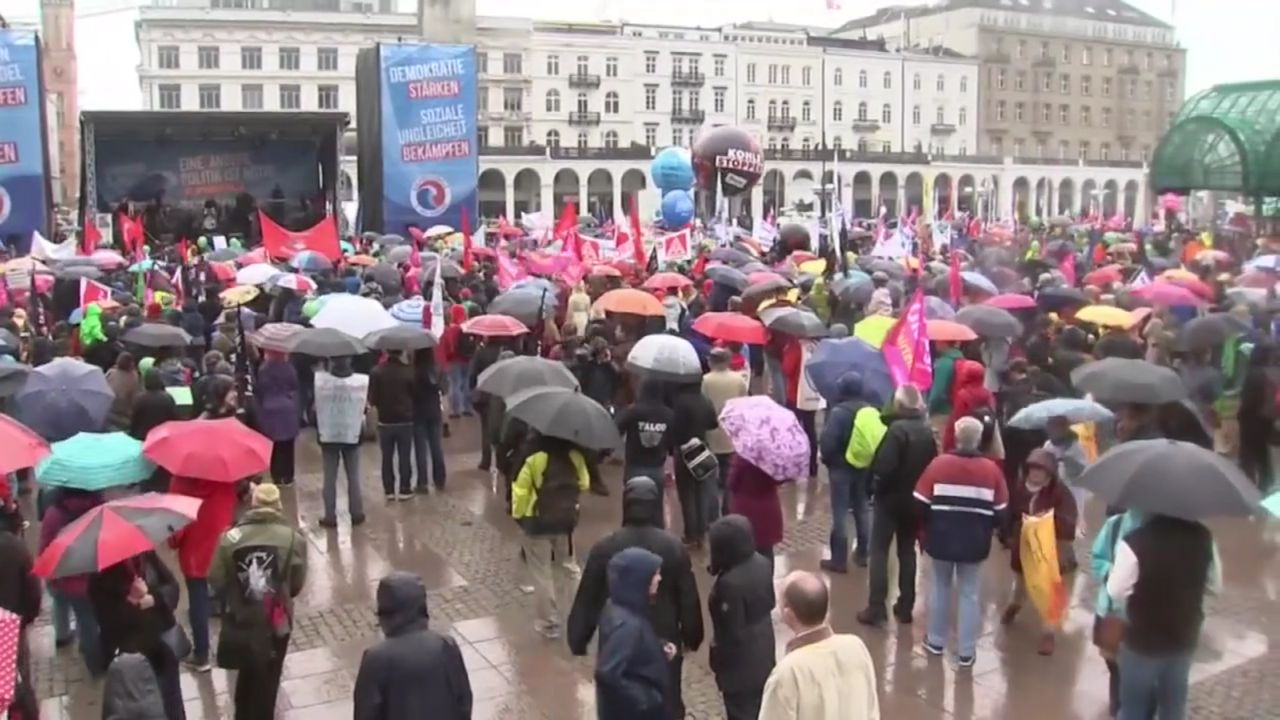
414,673
906,450
742,646
676,612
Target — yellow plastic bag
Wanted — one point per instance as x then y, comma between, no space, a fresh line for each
1087,436
1040,572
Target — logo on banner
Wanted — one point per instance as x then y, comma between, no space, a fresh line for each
675,246
431,196
6,205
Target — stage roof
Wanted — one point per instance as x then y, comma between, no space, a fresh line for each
211,124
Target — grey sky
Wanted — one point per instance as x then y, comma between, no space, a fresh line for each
1227,40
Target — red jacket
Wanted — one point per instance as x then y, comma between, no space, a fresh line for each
753,493
792,366
967,394
197,542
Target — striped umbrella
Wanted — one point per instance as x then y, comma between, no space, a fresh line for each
114,532
94,461
277,336
310,261
293,281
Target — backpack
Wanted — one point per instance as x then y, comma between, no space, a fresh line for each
556,508
466,346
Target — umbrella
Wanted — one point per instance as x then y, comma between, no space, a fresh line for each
383,274
979,281
989,321
9,343
731,327
239,295
1194,284
362,260
833,358
507,377
226,254
730,256
257,255
567,414
873,329
326,343
1104,276
797,323
12,377
224,272
1055,299
494,325
935,308
665,357
528,306
114,532
22,447
888,267
1106,315
1170,477
1076,410
667,281
108,259
437,231
1266,263
605,271
1119,380
224,451
948,331
1210,331
448,269
277,336
89,272
1166,293
392,240
354,315
1011,301
767,435
536,284
765,276
401,337
256,274
853,291
310,261
409,312
293,281
94,461
766,288
1237,295
157,335
727,275
1256,279
62,398
628,300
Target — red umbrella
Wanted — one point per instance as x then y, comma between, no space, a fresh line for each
22,447
948,331
278,336
763,276
258,255
494,325
114,532
1104,276
1195,285
225,272
1166,293
667,281
216,450
801,256
1256,279
1011,301
731,327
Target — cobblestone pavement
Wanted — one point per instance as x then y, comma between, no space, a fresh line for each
468,555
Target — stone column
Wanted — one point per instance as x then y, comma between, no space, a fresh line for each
757,204
510,205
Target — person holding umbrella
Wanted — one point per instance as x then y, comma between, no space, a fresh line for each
71,595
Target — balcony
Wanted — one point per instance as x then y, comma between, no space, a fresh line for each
691,116
997,56
1044,62
504,79
633,152
866,125
942,128
1169,72
509,117
1128,69
687,78
781,122
584,81
584,119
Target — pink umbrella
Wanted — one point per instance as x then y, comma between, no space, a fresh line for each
768,436
1198,287
108,259
1166,293
1256,279
1011,301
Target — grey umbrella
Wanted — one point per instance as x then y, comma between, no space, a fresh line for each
935,308
392,240
400,337
399,254
665,357
62,398
523,305
989,321
12,377
157,335
1209,331
797,323
225,254
383,274
9,342
855,291
566,414
78,271
507,377
325,343
1169,477
449,269
727,275
731,256
1119,380
766,288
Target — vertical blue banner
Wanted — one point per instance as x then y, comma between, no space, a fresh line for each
24,183
430,156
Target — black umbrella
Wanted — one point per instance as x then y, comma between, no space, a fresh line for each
727,275
989,321
383,274
565,414
731,256
1055,299
1120,380
325,343
400,337
855,291
795,322
1169,477
1059,248
392,240
157,335
12,377
766,288
888,267
89,272
523,305
1210,331
508,377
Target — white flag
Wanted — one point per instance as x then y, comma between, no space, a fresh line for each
437,302
42,249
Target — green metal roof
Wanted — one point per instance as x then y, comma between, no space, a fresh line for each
1225,138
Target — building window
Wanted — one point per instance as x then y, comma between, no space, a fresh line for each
677,136
718,100
250,58
513,136
512,99
1104,151
773,109
677,102
482,99
915,81
1086,116
1106,87
962,116
169,97
1124,153
1066,54
888,80
717,65
207,57
1146,90
1039,148
862,145
1020,50
1168,91
964,148
583,65
327,97
886,114
836,143
1046,82
837,77
806,76
677,64
751,72
862,112
553,65
1064,114
210,97
326,58
1106,58
805,143
1064,149
611,67
581,104
862,79
786,74
1017,147
1086,56
290,58
837,111
997,147
611,140
1044,50
751,109
650,97
553,138
1131,89
482,63
251,97
1148,62
806,111
1106,117
964,83
915,114
290,97
553,101
650,63
773,74
1086,85
784,144
651,135
1000,111
1146,152
1020,81
1064,84
941,83
1084,150
611,103
1000,78
1018,109
1046,113
512,64
167,57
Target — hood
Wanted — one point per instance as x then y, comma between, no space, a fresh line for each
133,687
340,367
402,603
457,314
641,502
630,573
849,387
1046,461
732,543
650,390
968,372
77,502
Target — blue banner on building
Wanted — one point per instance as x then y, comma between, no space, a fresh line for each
430,157
24,180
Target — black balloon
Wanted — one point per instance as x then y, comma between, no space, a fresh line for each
731,155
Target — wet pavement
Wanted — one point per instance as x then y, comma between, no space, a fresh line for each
468,554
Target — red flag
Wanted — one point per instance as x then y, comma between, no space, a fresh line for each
415,257
284,244
466,241
91,238
699,266
131,236
568,221
509,271
955,281
179,291
588,250
417,237
91,292
637,237
184,251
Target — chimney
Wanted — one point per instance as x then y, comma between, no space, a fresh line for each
448,21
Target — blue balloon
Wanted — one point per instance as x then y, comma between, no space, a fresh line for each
677,208
672,169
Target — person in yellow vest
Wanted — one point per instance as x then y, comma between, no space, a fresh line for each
848,443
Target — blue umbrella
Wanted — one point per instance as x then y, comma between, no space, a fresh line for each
833,358
62,398
310,261
935,308
142,265
76,317
94,461
979,281
1076,410
409,312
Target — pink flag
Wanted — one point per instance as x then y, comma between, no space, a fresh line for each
906,346
1067,266
509,271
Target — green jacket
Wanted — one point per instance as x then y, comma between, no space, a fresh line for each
944,370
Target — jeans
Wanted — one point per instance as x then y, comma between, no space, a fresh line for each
198,616
697,500
282,461
725,460
428,440
848,488
64,607
396,442
889,524
1153,683
349,455
967,578
459,393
